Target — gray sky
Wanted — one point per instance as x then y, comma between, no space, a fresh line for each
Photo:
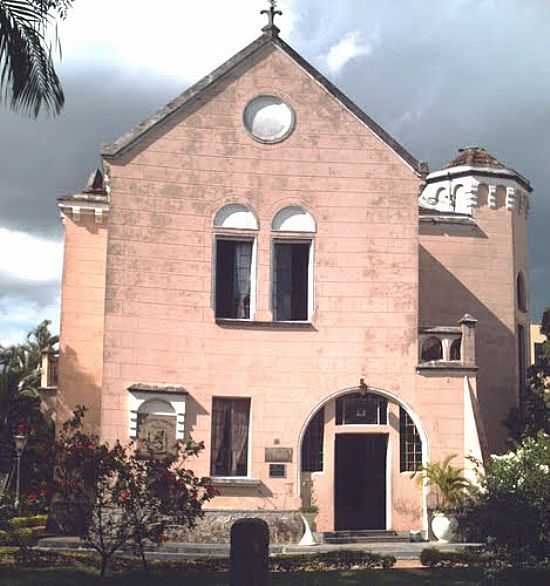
436,74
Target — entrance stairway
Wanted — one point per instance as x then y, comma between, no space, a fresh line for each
367,536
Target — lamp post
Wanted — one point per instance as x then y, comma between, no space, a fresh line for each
20,443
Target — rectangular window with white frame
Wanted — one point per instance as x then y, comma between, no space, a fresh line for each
292,295
235,278
230,437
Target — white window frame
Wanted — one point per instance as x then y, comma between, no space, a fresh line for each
138,398
240,236
280,238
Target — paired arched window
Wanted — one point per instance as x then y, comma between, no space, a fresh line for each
521,293
235,250
432,349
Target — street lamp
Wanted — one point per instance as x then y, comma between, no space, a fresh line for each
20,443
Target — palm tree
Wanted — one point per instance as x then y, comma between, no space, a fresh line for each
28,80
450,485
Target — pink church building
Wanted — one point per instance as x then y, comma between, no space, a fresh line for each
261,267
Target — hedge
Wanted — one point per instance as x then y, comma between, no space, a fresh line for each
21,522
435,558
338,560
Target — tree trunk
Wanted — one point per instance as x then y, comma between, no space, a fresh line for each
104,564
143,558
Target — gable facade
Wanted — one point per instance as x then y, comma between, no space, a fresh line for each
264,298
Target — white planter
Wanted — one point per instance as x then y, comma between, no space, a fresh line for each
444,527
308,538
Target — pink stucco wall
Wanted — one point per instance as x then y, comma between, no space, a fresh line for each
82,316
473,269
159,324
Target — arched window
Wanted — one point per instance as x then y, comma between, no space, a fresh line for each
235,263
293,219
236,216
455,349
292,292
521,295
312,444
156,426
432,349
410,444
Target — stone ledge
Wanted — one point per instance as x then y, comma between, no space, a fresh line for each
271,325
234,481
439,365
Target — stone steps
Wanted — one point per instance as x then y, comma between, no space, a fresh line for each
365,536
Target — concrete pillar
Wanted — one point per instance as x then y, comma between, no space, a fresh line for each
468,346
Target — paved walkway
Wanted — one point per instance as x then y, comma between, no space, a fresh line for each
174,551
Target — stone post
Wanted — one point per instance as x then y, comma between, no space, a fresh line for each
249,553
468,346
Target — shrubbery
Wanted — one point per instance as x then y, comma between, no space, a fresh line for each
512,505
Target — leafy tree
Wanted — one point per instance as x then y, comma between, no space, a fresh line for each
535,415
28,80
20,373
122,498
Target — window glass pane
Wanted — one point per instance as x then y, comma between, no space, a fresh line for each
409,443
432,349
455,349
230,427
290,281
233,266
356,409
312,444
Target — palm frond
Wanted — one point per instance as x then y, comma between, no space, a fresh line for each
28,80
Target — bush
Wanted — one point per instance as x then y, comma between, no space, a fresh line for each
22,522
4,538
513,505
435,558
334,560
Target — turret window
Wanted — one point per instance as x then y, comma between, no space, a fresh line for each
432,349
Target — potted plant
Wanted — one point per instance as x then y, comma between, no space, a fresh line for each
450,488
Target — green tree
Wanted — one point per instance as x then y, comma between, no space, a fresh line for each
28,80
20,373
535,415
512,503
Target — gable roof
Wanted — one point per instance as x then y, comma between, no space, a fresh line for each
126,141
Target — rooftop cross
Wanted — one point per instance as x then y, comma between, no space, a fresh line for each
271,27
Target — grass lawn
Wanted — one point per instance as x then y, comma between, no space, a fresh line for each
408,577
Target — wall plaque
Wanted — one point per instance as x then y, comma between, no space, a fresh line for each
278,454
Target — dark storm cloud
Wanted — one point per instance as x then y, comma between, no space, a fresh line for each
448,74
441,74
43,159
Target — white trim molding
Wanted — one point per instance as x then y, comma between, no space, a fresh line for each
138,395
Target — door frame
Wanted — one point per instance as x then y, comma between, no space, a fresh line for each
360,430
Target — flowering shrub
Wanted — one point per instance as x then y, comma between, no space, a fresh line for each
120,498
513,503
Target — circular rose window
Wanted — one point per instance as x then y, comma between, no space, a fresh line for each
268,119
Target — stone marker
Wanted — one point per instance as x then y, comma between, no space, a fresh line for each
249,553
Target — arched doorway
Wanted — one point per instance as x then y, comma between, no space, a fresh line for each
356,452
